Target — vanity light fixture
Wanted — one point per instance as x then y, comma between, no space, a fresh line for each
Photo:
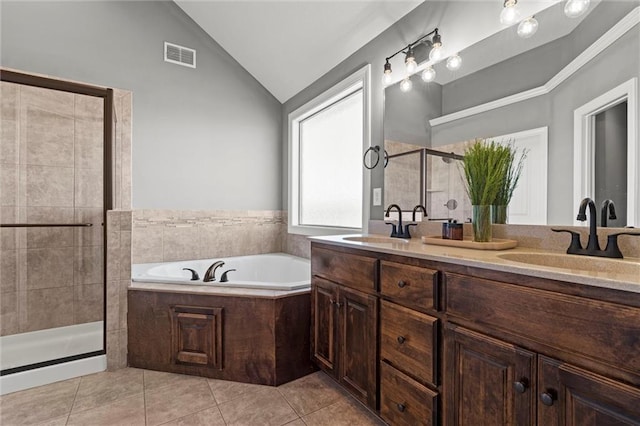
528,27
435,55
454,62
429,74
510,12
406,84
575,8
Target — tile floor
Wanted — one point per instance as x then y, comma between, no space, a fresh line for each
143,397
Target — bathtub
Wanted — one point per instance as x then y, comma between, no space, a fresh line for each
275,271
41,346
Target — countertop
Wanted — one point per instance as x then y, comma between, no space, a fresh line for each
609,278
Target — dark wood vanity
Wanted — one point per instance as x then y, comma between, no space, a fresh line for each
423,342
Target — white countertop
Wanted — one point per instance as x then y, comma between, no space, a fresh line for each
488,259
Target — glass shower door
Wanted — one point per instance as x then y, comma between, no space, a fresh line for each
52,211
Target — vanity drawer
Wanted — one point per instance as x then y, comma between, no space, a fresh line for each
596,329
350,270
408,340
409,285
403,401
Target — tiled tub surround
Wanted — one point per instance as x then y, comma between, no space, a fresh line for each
118,281
168,235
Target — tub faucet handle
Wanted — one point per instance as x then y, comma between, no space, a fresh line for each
194,274
224,278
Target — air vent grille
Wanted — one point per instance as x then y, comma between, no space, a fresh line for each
179,55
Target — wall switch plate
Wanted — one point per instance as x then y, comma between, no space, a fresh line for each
377,196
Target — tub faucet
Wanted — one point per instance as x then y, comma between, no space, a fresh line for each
210,275
608,209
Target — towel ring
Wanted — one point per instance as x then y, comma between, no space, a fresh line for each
376,150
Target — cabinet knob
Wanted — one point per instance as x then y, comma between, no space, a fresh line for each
521,385
401,283
401,407
401,339
547,398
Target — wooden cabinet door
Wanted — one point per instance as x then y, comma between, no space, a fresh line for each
358,356
487,381
568,395
324,317
196,336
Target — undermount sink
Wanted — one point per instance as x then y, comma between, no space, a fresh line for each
375,239
574,262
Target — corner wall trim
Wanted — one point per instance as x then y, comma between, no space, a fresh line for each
608,38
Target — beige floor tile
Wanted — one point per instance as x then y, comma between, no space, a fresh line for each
209,417
264,407
103,388
39,404
128,411
224,390
154,380
346,412
296,422
311,393
178,400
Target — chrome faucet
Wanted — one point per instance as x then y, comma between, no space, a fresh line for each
608,209
593,247
210,275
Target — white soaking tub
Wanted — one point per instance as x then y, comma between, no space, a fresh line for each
274,271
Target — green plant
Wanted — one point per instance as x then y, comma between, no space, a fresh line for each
484,166
511,176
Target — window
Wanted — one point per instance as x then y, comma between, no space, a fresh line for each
328,186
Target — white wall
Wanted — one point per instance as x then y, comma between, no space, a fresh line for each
207,138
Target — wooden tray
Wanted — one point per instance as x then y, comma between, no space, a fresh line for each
495,244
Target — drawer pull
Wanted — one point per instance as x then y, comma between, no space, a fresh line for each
401,339
401,407
333,302
521,385
547,398
401,283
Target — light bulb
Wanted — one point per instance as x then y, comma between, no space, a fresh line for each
410,61
454,62
411,65
429,74
528,27
386,77
575,8
510,13
436,53
406,84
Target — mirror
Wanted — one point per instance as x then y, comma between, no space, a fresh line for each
568,94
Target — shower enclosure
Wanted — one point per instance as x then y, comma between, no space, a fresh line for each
55,190
417,175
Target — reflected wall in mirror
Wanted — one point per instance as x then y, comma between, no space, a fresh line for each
544,83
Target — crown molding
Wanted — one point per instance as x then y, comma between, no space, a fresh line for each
607,39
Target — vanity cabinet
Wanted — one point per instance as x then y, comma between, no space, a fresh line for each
460,345
487,379
344,319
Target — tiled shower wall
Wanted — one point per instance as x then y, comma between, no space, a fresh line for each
51,172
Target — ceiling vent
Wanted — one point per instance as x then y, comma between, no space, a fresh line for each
179,55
